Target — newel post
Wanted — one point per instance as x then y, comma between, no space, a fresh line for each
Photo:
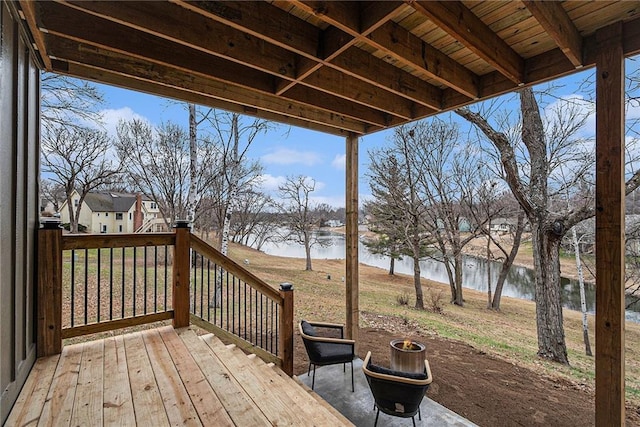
49,292
286,328
181,273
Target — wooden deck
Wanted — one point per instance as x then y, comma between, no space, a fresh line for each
164,377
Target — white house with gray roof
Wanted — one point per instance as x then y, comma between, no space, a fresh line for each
111,212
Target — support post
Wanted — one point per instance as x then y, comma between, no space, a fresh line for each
610,240
49,296
286,328
181,270
351,239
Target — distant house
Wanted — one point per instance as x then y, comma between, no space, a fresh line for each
110,212
504,225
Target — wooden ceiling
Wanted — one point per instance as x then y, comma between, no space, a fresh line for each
337,67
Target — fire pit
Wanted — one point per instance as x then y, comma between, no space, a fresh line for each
407,356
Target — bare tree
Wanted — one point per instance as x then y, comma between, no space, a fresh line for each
297,210
68,102
400,211
532,185
158,163
52,192
78,159
253,225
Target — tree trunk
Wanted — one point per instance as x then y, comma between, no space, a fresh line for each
457,266
489,298
417,284
193,165
392,265
546,260
452,280
307,250
506,265
583,302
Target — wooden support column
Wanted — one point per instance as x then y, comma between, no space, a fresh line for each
286,328
49,296
351,238
181,270
610,240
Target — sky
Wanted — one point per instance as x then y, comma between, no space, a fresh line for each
290,151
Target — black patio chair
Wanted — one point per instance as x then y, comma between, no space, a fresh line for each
324,351
396,393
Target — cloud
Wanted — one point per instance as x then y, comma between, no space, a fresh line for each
111,118
271,183
287,156
339,162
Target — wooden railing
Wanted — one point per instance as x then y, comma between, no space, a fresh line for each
97,283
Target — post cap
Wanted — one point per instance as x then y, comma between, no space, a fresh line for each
286,286
182,223
50,223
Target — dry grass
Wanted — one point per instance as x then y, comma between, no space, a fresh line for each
510,333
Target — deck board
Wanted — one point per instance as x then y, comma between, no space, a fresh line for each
118,402
162,377
87,409
147,401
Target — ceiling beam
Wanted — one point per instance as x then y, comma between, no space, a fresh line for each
557,23
463,25
157,89
28,10
118,63
282,29
410,50
110,35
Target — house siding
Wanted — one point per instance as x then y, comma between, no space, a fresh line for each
19,207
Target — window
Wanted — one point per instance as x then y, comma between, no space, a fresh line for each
129,216
153,205
120,228
75,202
104,229
119,216
106,214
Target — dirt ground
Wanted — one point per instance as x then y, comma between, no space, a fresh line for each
486,390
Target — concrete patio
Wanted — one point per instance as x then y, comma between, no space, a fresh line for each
334,386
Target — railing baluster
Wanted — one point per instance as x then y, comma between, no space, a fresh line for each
99,286
73,286
209,290
145,279
86,283
135,277
166,274
155,279
110,283
122,293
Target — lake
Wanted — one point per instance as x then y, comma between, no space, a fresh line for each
520,282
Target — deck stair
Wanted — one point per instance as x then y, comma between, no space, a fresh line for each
161,377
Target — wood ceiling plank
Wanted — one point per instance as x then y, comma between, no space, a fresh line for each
409,49
342,15
559,26
464,26
117,63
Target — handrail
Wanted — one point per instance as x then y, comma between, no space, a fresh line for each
236,269
113,240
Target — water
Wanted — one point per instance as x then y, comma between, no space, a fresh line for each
520,282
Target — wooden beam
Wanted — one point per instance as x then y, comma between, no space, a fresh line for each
181,275
49,292
152,87
29,10
166,20
351,257
161,24
610,241
460,23
410,50
139,69
557,23
279,28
